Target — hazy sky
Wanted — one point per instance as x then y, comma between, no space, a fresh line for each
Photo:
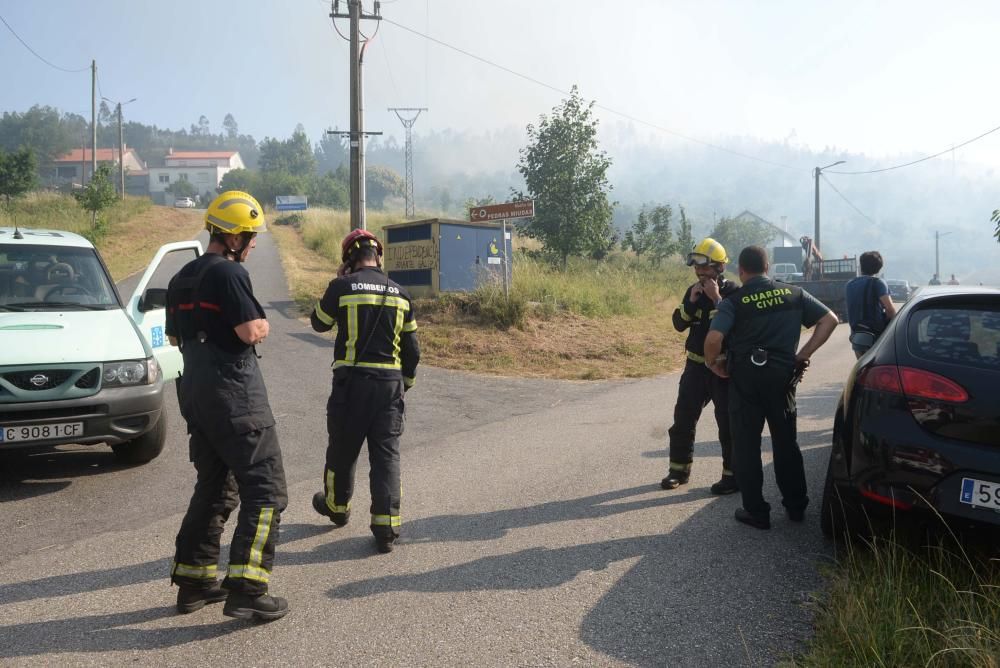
881,78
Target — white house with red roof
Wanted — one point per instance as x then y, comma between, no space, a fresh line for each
203,169
66,169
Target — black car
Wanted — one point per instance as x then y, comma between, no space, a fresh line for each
917,430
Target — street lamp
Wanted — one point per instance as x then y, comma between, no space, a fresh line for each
817,172
121,143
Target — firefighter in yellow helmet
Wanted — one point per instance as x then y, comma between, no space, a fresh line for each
213,316
698,385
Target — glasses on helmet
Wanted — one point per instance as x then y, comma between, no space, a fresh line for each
698,259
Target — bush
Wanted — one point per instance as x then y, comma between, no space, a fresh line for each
496,308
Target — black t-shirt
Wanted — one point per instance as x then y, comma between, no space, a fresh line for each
224,300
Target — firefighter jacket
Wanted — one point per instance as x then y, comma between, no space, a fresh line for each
696,316
376,327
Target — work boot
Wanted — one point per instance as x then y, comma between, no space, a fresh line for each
756,521
384,544
726,485
190,599
319,505
674,480
263,607
796,514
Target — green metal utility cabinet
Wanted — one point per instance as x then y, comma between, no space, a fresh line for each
437,255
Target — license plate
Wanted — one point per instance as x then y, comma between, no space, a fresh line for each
40,432
980,493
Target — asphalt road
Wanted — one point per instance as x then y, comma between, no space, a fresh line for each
535,533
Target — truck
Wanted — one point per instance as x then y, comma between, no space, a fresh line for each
826,280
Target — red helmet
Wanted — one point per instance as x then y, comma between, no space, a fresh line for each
356,240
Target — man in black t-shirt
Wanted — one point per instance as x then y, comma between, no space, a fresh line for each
375,360
214,317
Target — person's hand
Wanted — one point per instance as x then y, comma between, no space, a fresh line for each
711,289
802,360
718,368
696,291
344,269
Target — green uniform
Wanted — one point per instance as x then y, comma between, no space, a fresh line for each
763,321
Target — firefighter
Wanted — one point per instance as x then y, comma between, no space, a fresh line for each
698,384
214,317
375,362
762,323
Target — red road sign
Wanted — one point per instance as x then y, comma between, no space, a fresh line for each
525,209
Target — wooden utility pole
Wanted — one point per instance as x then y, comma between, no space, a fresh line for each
93,118
121,152
357,134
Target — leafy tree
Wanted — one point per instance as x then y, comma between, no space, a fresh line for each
17,174
276,183
240,179
685,239
328,190
566,175
41,129
182,188
230,126
331,153
380,183
96,196
104,116
294,155
651,234
473,202
735,235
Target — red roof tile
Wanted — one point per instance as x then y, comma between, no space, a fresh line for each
83,155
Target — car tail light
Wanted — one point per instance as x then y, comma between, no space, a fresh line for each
912,383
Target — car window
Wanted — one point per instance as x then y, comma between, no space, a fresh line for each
32,276
969,336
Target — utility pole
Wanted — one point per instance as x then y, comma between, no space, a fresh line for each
816,173
121,144
408,124
357,134
93,118
937,255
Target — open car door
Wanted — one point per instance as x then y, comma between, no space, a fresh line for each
147,305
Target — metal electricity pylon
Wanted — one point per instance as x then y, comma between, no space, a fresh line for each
408,124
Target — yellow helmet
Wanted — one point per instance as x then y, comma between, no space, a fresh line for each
234,212
707,250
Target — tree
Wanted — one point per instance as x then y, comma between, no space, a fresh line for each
104,114
566,175
182,188
230,126
293,155
17,174
97,195
685,240
380,183
41,129
241,179
328,190
331,153
651,234
735,235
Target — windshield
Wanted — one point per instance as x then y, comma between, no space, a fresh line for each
41,278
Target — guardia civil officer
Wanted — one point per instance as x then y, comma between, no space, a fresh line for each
698,385
762,322
214,317
375,361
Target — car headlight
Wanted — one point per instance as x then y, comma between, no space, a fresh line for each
131,372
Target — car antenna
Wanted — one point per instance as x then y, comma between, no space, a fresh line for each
17,232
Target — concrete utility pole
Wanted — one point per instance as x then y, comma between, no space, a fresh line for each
93,118
816,173
121,145
408,124
357,133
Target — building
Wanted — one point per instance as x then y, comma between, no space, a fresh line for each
781,236
202,169
65,171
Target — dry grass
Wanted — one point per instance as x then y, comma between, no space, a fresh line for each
136,228
554,340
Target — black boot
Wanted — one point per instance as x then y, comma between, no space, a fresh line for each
727,485
190,599
319,505
384,544
674,480
756,521
263,607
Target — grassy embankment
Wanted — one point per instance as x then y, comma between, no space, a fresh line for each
893,605
136,228
593,320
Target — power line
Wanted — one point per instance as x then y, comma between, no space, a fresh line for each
849,202
929,157
39,56
599,106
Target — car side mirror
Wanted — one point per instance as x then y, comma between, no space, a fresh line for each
153,299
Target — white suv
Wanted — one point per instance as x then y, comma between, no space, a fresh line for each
76,365
785,272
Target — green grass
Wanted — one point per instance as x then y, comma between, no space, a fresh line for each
61,212
893,605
